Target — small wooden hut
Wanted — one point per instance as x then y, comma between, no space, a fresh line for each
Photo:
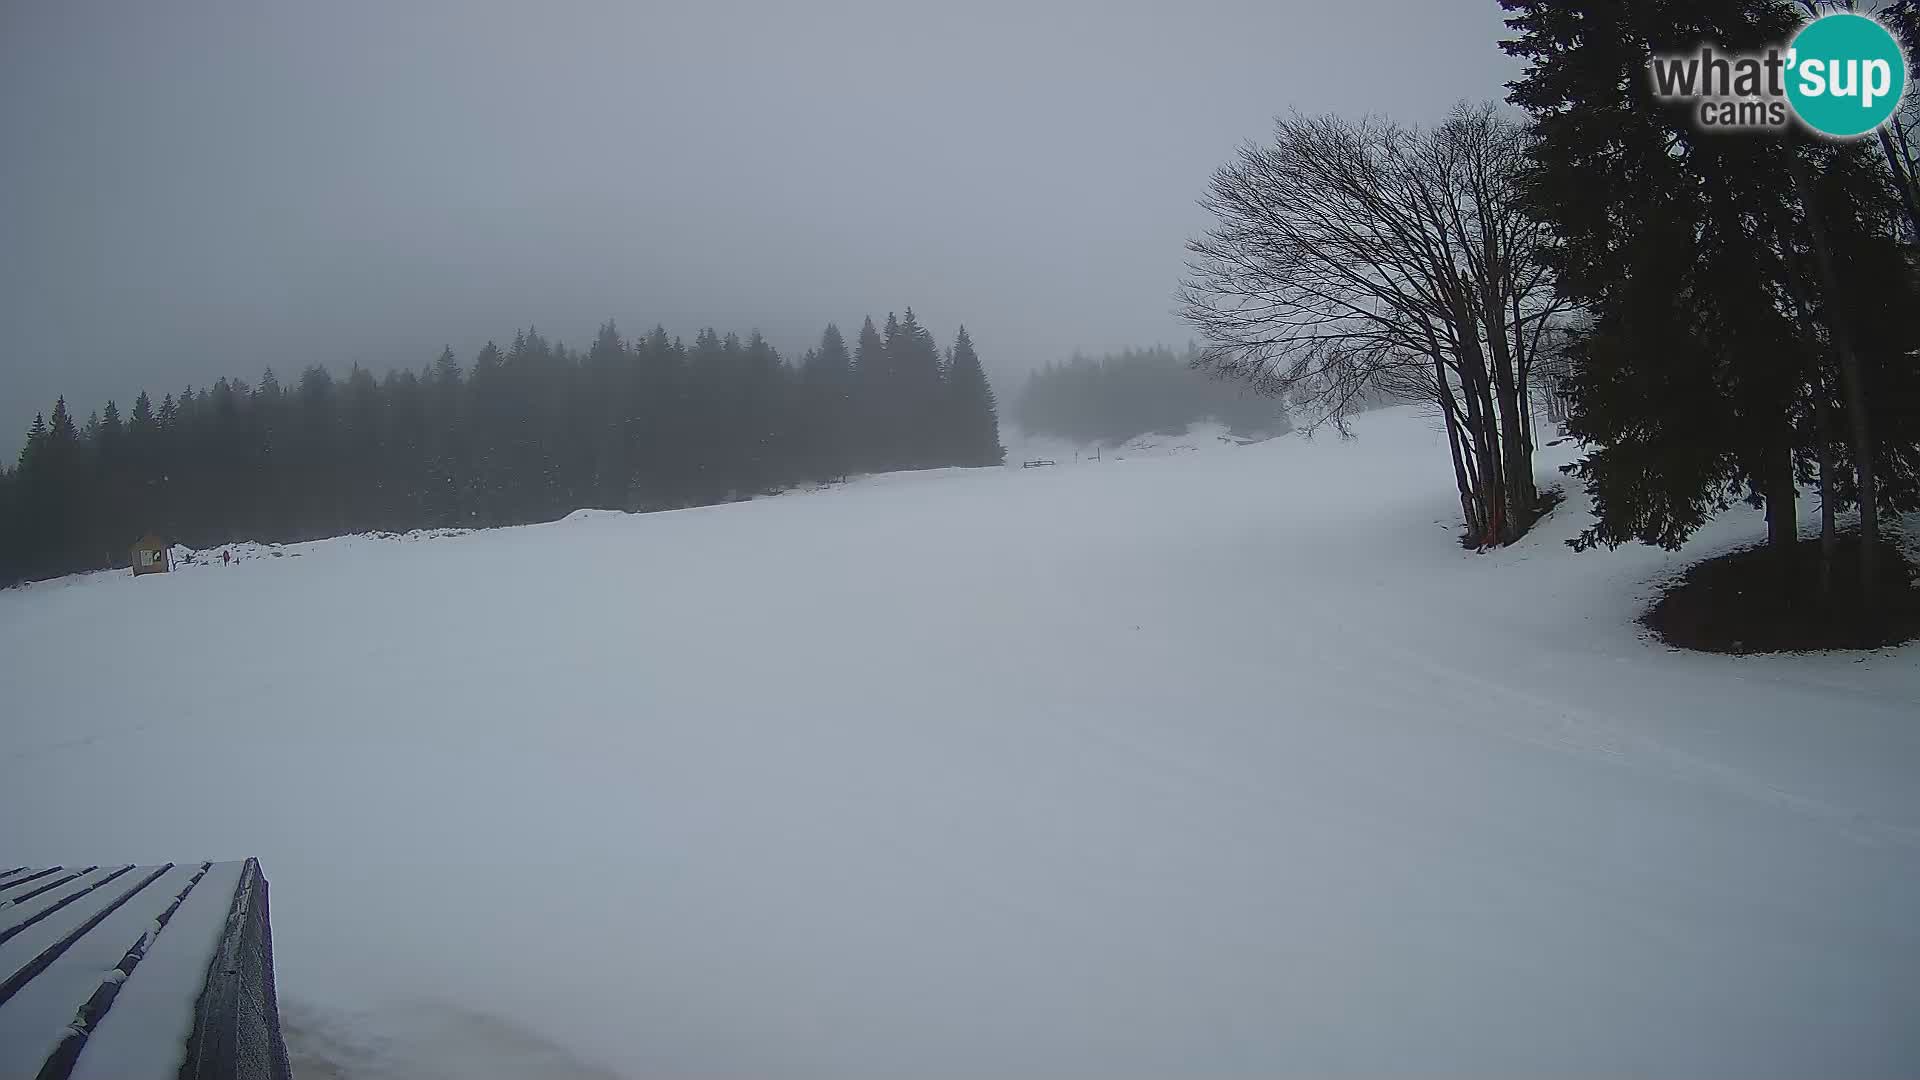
150,555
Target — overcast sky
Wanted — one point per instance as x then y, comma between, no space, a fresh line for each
192,188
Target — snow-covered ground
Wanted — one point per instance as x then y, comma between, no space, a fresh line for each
1221,763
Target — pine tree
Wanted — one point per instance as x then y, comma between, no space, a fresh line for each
763,415
1687,383
445,372
1723,330
873,394
36,438
314,454
655,430
973,417
486,416
32,520
920,402
60,426
447,476
52,477
827,404
609,384
14,529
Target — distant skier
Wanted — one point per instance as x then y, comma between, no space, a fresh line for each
226,558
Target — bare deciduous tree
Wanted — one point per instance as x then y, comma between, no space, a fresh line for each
1355,258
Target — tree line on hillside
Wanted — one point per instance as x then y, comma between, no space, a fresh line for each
1115,397
1726,315
525,433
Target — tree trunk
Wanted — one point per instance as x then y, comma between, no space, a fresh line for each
1468,510
1783,521
1850,384
1829,539
1516,465
1527,418
1517,458
1483,461
1451,412
1477,393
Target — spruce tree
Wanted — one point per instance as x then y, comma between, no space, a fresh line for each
13,529
34,521
763,415
1728,344
447,476
895,420
1690,380
446,370
485,418
609,388
873,384
973,419
921,402
36,438
53,482
655,433
827,398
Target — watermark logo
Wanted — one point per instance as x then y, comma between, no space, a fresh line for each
1849,77
1842,75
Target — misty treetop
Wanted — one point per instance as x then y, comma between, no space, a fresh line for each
1115,397
524,433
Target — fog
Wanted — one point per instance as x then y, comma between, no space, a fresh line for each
199,188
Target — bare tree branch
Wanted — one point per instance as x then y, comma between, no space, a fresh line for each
1353,260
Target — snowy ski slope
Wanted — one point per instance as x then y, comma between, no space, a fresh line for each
1221,762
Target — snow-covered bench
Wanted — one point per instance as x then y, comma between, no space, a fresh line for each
138,971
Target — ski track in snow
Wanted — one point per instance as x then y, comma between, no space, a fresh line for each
1201,759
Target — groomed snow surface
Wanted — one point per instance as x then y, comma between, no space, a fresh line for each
1220,762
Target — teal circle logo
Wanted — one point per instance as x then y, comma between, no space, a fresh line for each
1845,75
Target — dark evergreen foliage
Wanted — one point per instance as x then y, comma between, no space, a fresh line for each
528,433
1711,369
975,434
